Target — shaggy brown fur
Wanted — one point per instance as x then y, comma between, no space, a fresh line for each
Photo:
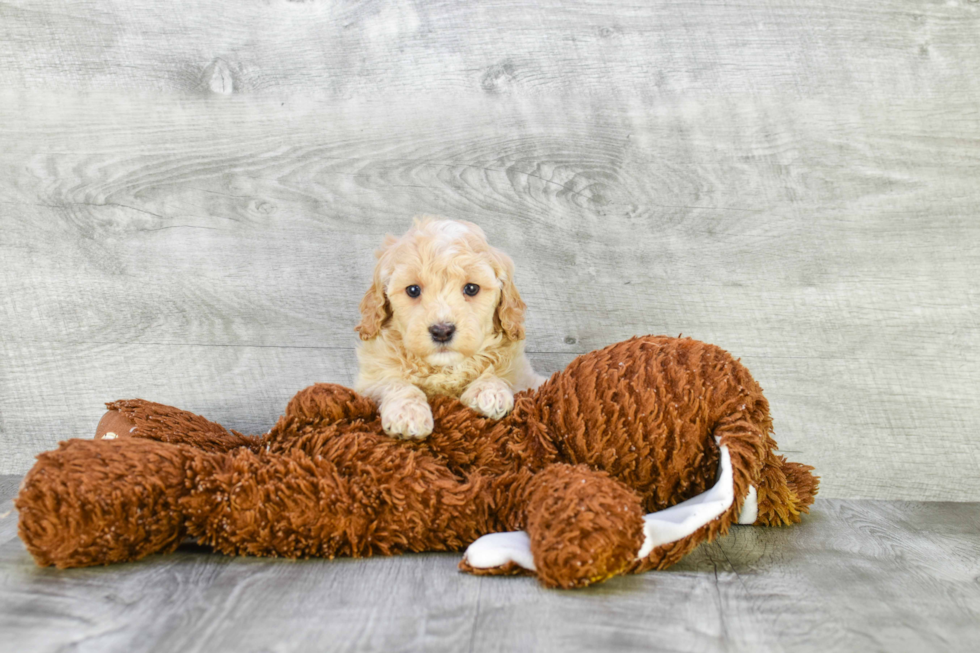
621,432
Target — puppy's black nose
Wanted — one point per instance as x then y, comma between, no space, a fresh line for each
442,332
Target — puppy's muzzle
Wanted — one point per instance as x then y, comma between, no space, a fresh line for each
442,333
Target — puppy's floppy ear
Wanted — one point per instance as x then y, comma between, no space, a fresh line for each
509,316
375,309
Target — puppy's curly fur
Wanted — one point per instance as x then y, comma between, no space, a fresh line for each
442,317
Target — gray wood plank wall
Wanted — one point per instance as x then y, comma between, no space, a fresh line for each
190,195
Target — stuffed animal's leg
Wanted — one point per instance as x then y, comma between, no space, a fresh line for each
363,494
582,527
137,418
322,403
666,535
93,503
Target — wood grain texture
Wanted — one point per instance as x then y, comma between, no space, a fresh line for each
189,200
855,575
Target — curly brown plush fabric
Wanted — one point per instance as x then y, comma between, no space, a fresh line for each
623,431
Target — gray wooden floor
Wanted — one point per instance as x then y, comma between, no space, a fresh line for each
855,576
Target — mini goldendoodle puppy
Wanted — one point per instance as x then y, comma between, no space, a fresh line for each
442,317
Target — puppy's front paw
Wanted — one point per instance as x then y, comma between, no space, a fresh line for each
409,418
490,397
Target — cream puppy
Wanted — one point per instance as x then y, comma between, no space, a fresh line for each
442,317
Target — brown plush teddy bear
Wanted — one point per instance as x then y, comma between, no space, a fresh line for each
623,462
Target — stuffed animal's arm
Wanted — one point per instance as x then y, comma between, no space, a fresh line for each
137,418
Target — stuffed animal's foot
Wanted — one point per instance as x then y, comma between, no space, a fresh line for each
489,396
94,503
501,554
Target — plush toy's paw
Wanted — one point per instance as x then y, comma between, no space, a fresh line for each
491,397
499,553
93,503
114,425
407,418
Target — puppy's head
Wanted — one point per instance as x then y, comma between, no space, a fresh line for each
445,290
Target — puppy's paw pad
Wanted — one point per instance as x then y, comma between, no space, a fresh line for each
492,398
407,419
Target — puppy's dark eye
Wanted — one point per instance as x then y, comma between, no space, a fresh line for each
413,291
471,289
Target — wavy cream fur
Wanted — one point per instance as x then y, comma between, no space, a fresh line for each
401,366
